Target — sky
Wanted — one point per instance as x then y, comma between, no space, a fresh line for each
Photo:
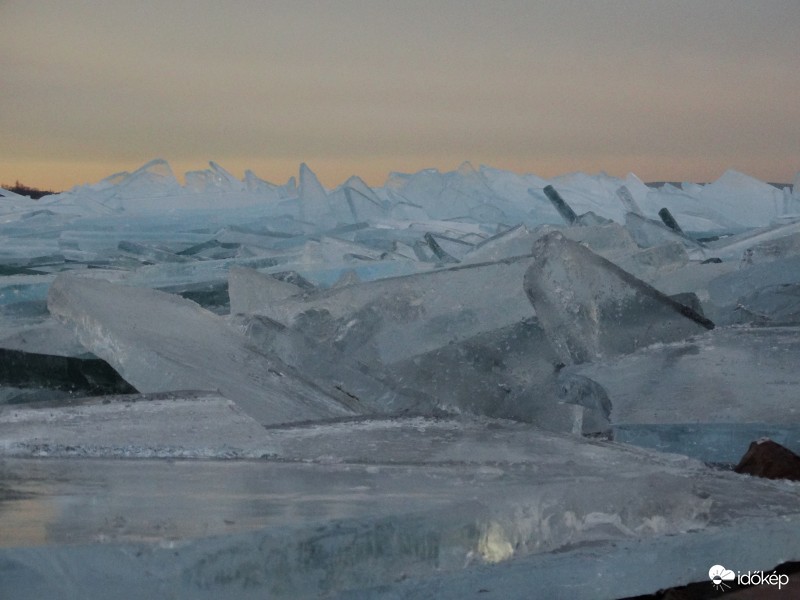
669,90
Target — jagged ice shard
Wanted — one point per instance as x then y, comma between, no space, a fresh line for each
592,309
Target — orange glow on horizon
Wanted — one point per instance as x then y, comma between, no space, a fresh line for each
61,176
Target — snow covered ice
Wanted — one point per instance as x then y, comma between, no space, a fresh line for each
428,388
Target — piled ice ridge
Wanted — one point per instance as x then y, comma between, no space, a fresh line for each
411,373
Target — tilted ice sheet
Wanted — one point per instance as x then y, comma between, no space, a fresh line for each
590,308
392,319
758,243
648,233
160,342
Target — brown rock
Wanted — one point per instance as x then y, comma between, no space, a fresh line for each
769,459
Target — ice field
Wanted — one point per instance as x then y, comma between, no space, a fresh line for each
463,384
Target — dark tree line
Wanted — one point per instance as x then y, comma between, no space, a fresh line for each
26,190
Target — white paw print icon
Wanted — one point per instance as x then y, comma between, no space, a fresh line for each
719,575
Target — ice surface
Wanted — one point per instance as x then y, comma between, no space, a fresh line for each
590,308
439,502
160,342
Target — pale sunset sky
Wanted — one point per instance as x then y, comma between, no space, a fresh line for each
668,89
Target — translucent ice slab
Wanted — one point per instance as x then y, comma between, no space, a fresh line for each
591,308
648,233
333,370
729,375
507,373
396,318
748,201
159,342
313,202
48,337
759,245
757,293
516,241
18,289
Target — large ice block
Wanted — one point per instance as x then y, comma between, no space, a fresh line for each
591,308
648,233
744,199
360,200
331,369
506,373
248,288
47,337
769,243
761,292
729,378
775,249
160,342
392,319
